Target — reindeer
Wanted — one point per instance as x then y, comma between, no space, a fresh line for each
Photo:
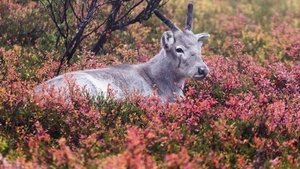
166,73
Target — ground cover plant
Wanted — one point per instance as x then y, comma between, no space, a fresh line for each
245,114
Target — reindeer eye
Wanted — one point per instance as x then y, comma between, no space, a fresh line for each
179,50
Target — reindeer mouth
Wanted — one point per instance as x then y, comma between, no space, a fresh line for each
199,77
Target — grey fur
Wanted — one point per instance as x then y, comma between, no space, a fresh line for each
178,59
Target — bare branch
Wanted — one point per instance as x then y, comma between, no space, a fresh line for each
54,19
129,11
122,22
74,12
143,15
65,19
94,30
76,40
72,19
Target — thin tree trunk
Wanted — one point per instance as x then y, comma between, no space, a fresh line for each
70,50
99,44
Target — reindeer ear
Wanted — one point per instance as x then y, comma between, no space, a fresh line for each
167,40
202,36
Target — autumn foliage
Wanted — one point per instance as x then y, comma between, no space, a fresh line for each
245,114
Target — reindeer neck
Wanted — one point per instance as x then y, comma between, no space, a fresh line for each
159,72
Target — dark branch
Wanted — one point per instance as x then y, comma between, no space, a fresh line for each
54,19
72,19
125,20
74,12
129,11
76,40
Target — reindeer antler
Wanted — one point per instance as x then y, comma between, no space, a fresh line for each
189,19
165,20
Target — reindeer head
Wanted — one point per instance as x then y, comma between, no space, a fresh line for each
184,47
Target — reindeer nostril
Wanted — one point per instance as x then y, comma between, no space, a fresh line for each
202,71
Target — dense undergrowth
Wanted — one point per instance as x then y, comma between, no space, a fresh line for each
246,114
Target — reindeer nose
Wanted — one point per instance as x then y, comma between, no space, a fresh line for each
202,71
